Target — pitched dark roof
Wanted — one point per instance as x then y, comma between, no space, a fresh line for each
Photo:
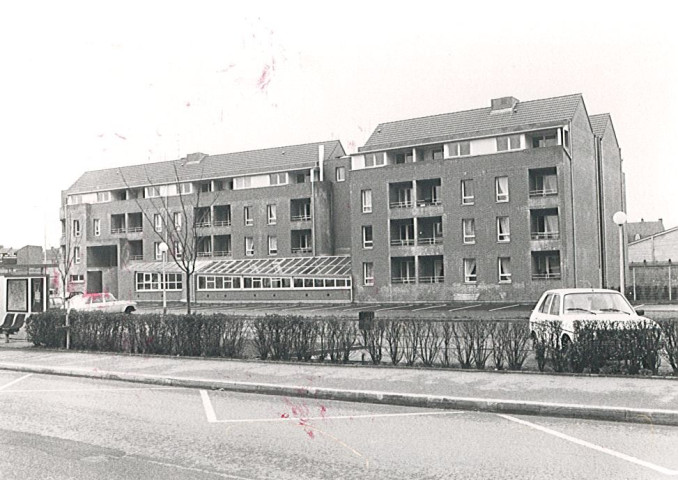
470,123
202,167
599,123
643,229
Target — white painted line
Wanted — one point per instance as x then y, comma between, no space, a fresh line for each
426,308
464,308
393,308
207,405
502,308
79,390
2,387
584,443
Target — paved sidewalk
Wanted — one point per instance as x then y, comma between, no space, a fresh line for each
646,400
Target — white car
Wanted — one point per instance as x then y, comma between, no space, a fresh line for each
103,302
568,305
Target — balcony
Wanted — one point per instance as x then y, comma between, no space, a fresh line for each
300,210
222,253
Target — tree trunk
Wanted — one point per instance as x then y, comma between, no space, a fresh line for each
188,292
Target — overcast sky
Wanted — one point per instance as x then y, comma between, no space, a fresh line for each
86,86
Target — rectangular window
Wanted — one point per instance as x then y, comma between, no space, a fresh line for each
151,192
340,174
157,253
368,240
272,214
467,192
78,278
460,149
470,271
178,221
178,250
272,245
437,154
509,142
97,227
545,140
368,273
401,158
205,187
366,198
157,222
76,228
545,265
504,269
375,159
501,189
151,282
279,178
468,229
249,246
503,230
249,221
566,138
103,197
185,188
76,255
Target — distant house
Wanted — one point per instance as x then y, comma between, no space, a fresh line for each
639,230
30,255
6,252
657,247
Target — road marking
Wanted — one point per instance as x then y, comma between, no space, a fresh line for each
426,308
212,416
392,308
502,308
2,387
464,308
593,446
207,405
66,390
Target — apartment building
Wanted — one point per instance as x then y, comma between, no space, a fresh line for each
496,203
253,225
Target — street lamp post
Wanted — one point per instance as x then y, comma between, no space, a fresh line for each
620,219
163,251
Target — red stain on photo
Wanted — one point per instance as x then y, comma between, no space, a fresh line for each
120,136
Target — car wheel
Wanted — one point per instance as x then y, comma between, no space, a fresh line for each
129,309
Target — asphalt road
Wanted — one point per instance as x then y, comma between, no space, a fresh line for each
59,427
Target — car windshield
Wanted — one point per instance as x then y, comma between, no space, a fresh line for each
595,302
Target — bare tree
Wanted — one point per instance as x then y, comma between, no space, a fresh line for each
69,252
180,218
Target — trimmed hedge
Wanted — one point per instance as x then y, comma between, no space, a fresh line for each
601,347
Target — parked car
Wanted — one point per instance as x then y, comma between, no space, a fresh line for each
103,302
568,305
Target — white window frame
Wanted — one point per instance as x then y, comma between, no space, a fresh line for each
501,197
455,148
75,228
503,232
470,270
247,214
103,197
178,250
152,282
467,199
368,274
249,246
97,227
157,222
271,214
185,188
280,178
272,245
77,278
157,254
366,200
368,243
340,174
178,221
76,255
377,159
511,141
468,231
504,269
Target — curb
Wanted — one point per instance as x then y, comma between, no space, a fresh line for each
487,405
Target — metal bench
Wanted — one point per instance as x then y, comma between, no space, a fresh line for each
12,324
